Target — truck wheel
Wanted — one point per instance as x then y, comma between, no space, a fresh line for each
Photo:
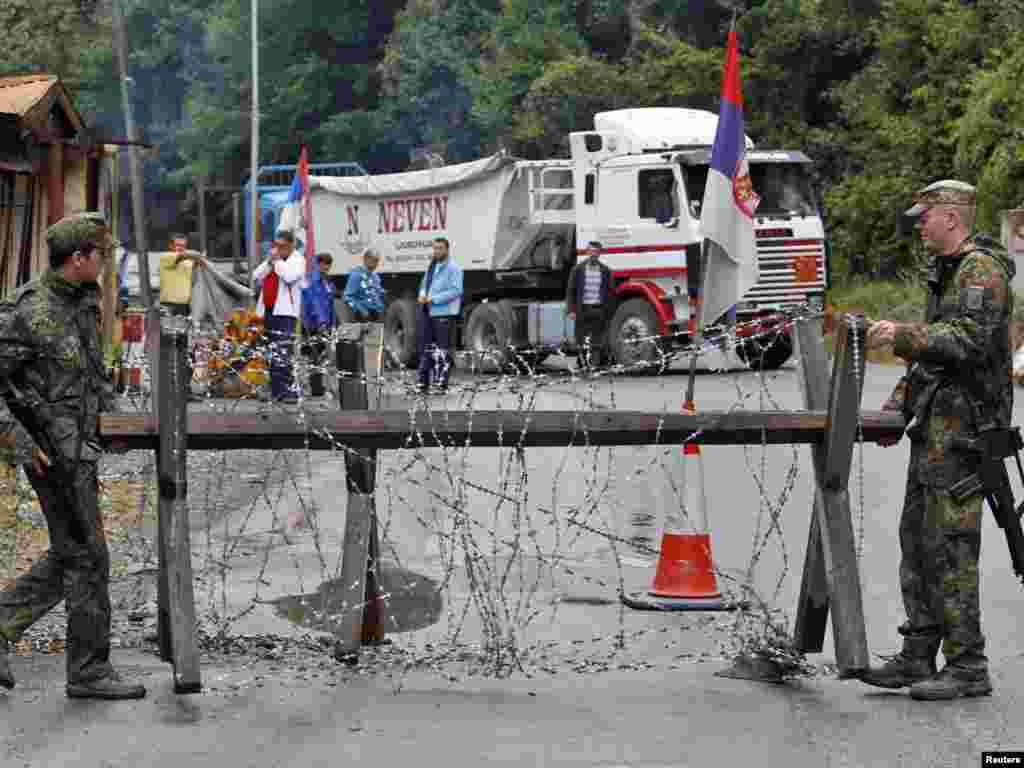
487,337
635,320
766,353
400,331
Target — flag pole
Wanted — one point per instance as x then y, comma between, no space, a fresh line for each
695,337
698,329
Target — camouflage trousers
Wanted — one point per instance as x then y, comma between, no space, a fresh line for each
940,542
75,569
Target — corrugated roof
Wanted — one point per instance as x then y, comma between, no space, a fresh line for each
20,93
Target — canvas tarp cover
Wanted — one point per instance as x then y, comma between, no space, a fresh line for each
215,297
412,182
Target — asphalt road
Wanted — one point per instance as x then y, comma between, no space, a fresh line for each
657,702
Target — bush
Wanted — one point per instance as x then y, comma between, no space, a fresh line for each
903,301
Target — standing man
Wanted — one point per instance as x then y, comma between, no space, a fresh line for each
319,320
587,299
280,304
179,246
54,383
957,383
364,294
441,302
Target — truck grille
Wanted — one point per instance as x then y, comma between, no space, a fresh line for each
779,259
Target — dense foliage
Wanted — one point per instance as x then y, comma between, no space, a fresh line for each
885,95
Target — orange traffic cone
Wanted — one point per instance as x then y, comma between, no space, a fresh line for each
685,578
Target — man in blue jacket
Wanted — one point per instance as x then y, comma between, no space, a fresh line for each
318,321
363,292
440,301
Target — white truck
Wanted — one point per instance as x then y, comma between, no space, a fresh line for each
516,227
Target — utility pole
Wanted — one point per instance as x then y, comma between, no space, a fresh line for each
201,198
254,245
138,205
236,228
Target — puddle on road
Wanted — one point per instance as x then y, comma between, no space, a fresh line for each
413,602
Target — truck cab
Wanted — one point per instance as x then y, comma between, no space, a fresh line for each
639,179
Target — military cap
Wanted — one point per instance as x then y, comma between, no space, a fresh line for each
73,231
944,192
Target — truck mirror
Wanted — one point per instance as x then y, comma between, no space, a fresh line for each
593,142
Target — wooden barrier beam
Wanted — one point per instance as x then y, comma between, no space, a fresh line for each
389,430
812,605
177,613
831,579
835,522
360,621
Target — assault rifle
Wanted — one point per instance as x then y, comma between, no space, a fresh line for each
990,449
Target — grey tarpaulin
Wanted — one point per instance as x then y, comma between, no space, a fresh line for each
215,296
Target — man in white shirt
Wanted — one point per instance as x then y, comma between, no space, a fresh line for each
279,279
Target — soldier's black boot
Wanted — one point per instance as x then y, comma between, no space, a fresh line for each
952,683
6,678
915,663
109,687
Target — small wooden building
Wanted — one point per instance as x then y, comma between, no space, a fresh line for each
50,166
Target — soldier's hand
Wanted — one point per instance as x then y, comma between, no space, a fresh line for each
40,462
887,442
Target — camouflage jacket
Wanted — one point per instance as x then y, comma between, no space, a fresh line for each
52,376
959,360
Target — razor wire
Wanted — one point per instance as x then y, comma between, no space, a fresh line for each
502,551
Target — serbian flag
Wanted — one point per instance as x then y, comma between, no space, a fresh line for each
727,212
300,206
299,197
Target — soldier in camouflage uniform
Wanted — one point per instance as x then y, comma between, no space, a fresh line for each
54,383
958,380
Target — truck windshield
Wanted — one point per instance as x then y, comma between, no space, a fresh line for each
785,188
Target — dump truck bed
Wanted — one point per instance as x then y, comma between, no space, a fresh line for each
499,214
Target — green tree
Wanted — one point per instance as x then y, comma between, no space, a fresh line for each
429,69
900,115
990,134
166,54
527,36
50,36
563,99
884,95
